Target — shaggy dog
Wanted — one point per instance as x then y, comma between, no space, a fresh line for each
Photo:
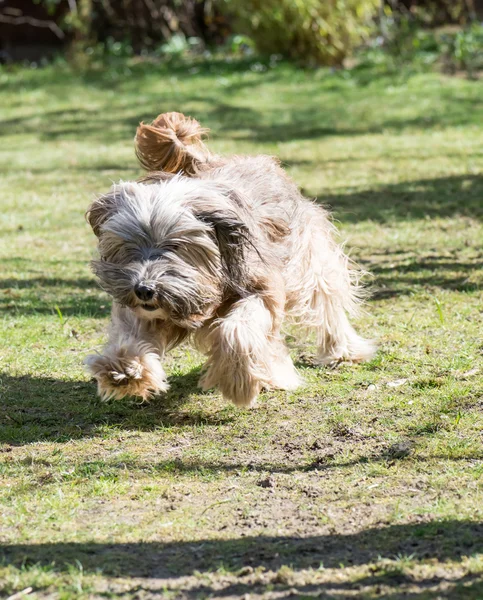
223,250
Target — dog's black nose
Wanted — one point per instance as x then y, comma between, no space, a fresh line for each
144,291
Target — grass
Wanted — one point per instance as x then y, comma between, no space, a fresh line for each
368,482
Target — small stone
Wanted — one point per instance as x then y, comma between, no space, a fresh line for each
399,450
396,383
268,482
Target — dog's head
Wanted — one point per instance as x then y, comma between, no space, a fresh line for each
172,249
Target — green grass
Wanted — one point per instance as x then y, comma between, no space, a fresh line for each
368,482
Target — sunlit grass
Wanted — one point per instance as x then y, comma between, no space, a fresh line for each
188,495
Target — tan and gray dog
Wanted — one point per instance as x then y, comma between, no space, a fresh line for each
224,250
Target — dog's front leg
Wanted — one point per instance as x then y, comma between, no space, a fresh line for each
246,354
130,362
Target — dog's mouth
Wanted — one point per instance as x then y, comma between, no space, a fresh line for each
149,307
149,311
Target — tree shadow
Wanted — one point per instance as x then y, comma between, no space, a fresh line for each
181,468
301,126
80,296
404,276
334,116
47,409
449,540
112,73
55,282
396,585
395,273
90,168
393,584
459,195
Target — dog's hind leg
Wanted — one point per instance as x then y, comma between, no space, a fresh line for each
246,354
130,363
337,340
323,291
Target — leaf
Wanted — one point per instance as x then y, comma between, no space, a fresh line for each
59,312
439,309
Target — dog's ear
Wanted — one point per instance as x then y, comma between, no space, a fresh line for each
233,239
100,210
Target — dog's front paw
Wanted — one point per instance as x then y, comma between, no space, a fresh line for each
239,388
120,374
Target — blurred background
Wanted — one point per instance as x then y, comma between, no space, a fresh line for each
335,33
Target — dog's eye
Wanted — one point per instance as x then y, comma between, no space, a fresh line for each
173,273
169,247
153,254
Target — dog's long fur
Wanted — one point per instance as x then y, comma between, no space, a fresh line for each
230,250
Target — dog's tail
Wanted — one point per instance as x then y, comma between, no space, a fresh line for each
172,143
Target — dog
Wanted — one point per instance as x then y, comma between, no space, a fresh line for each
223,251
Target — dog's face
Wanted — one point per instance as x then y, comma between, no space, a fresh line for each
169,250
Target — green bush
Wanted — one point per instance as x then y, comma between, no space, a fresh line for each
468,48
314,31
406,41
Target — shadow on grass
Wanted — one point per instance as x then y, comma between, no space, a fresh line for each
311,461
440,272
228,120
328,109
442,541
392,584
427,198
115,73
35,408
125,169
46,282
395,272
188,469
406,274
78,296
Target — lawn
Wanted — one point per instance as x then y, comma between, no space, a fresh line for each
366,483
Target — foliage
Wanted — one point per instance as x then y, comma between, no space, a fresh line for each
239,45
405,41
148,23
404,37
309,30
179,45
432,13
467,48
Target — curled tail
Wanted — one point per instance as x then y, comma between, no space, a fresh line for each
172,143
